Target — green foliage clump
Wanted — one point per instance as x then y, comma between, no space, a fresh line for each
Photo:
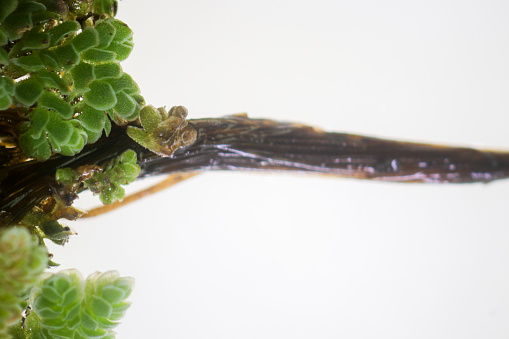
64,306
65,72
60,75
106,182
47,133
163,131
22,261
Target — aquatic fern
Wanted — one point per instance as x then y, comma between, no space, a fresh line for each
108,181
61,88
163,132
22,261
48,132
64,306
64,68
61,305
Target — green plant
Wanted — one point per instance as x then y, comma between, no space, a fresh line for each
62,83
64,70
65,306
105,181
22,262
67,108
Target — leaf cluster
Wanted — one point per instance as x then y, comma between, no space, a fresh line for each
65,306
60,75
22,261
59,305
163,131
65,73
108,181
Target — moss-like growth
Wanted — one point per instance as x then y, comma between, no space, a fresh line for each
61,66
61,87
108,184
64,306
108,181
163,132
22,261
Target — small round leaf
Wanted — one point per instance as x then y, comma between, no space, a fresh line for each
39,118
49,58
88,38
59,130
35,148
92,120
101,96
125,106
67,56
109,70
53,80
96,55
35,40
58,32
83,75
106,33
122,50
28,91
53,101
31,63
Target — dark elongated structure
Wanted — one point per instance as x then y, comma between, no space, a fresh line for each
240,143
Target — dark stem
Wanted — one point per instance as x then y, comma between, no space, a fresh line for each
240,143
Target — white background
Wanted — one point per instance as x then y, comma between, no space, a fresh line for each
249,255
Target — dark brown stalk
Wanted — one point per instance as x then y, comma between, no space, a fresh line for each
240,143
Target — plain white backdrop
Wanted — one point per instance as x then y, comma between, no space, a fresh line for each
249,255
